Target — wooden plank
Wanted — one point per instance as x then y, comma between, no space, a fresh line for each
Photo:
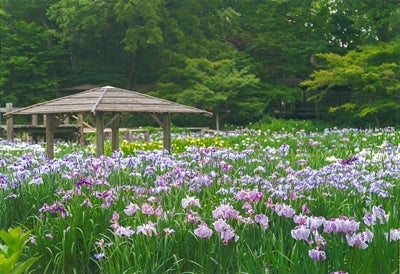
121,129
4,110
42,127
134,101
69,104
66,109
88,94
149,109
81,122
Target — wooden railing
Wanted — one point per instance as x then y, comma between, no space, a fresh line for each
36,130
65,130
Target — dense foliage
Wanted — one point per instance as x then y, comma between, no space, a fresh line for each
372,75
246,201
238,57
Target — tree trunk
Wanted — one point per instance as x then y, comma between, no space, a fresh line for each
377,124
132,76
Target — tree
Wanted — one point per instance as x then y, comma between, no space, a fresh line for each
142,29
89,33
372,73
29,55
359,22
192,29
221,87
281,36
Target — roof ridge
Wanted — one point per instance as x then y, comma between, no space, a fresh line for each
100,98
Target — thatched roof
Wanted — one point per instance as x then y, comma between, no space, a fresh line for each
108,99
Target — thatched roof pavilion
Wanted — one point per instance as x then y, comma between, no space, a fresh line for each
107,100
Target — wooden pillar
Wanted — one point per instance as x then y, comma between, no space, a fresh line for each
50,126
99,133
166,125
34,120
146,136
10,122
115,133
81,130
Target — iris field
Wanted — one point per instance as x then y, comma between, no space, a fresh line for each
244,201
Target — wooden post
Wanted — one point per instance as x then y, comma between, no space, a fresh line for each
34,120
99,133
146,136
166,125
10,122
81,130
50,125
115,133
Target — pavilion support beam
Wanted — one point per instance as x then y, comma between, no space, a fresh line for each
10,122
50,126
81,130
34,120
115,132
166,125
99,133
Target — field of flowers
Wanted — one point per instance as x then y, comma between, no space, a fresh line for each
245,201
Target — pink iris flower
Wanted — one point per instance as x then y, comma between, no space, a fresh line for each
203,231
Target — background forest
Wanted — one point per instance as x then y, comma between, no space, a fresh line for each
334,60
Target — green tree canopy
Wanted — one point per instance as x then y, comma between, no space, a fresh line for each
47,44
91,36
29,56
222,88
372,73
